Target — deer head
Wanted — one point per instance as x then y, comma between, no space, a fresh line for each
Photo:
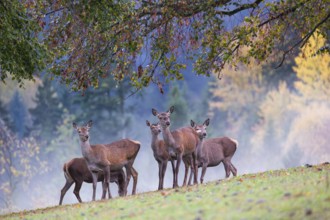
200,129
163,117
155,128
83,131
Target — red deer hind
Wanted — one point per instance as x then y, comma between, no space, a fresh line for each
180,143
160,152
211,152
105,158
77,172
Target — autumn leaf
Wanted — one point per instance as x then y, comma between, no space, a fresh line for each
160,87
140,71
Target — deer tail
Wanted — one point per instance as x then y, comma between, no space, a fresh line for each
67,173
235,141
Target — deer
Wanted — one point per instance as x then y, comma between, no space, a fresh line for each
211,152
180,143
160,153
77,172
105,158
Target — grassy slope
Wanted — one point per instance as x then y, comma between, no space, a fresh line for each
296,193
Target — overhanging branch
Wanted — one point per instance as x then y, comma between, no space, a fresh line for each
241,8
303,40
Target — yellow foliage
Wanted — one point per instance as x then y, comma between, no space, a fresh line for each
238,88
274,117
313,70
309,134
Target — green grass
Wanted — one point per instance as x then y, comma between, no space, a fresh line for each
296,193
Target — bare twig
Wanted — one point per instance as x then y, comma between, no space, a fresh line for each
132,93
57,10
290,10
241,8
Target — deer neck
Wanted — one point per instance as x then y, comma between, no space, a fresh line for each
85,148
168,137
200,146
154,140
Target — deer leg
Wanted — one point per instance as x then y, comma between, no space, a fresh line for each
94,176
121,183
231,166
195,168
233,169
135,175
190,177
128,175
106,183
66,187
173,171
160,167
164,167
178,162
227,168
76,190
186,170
203,172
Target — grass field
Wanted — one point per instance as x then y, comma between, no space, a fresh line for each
296,193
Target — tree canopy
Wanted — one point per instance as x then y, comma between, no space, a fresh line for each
90,40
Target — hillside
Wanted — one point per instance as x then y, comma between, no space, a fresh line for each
296,193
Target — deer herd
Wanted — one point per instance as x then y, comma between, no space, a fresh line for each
105,162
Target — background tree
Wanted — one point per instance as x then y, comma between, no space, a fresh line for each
238,94
4,113
309,135
275,118
311,106
19,162
106,106
22,52
18,115
313,70
177,98
47,114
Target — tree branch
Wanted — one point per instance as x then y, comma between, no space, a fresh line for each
283,13
56,10
303,40
239,9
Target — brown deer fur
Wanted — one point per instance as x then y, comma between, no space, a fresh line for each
123,154
211,152
160,153
108,157
76,171
181,142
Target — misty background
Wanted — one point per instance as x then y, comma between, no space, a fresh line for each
280,117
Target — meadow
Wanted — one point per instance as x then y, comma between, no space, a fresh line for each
296,193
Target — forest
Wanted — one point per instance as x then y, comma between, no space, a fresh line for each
276,106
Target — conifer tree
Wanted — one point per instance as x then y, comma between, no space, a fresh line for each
4,113
18,115
176,98
47,114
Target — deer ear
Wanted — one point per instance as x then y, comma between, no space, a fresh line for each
206,122
154,112
89,124
171,109
192,123
148,123
74,124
